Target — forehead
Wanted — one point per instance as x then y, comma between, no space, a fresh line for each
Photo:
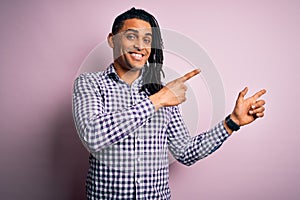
136,24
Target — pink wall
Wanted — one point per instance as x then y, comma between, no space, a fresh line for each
43,44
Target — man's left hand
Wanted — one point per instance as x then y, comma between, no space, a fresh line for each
249,109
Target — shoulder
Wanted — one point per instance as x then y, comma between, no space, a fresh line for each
98,76
91,75
89,80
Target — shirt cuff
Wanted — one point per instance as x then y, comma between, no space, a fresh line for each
223,129
145,109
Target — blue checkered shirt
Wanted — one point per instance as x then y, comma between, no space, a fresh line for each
129,141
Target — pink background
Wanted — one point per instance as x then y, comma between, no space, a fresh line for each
43,44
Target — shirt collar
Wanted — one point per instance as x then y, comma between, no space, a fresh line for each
110,72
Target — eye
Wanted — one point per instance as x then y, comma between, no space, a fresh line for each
131,37
147,40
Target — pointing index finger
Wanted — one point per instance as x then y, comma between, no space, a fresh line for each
259,94
191,74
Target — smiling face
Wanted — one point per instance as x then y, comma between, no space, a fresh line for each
131,46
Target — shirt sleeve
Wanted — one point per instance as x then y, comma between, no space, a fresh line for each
98,129
187,149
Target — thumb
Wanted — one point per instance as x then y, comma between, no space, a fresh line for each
242,93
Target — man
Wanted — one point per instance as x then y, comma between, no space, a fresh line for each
128,120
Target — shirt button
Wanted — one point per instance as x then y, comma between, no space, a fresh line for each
138,181
138,159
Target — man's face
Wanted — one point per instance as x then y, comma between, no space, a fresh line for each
132,45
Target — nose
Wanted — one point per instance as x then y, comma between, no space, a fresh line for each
138,44
137,47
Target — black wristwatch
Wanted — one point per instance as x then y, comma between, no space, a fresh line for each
231,124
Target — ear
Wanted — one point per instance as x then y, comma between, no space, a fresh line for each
110,40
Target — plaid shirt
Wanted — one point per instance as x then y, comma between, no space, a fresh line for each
129,140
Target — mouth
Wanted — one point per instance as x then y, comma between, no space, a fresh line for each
136,56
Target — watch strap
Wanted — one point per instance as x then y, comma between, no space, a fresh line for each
231,124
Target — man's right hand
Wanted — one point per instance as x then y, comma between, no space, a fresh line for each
173,93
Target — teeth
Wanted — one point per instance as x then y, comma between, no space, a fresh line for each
137,55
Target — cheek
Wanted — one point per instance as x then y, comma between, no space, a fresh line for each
125,44
148,53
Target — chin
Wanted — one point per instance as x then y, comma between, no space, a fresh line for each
137,66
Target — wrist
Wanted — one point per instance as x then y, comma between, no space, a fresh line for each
156,101
235,119
231,123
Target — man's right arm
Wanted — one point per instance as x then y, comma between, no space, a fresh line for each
97,128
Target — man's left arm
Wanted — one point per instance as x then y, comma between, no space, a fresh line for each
188,150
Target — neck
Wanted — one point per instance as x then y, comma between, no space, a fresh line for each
128,76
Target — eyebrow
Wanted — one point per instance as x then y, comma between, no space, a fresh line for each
136,31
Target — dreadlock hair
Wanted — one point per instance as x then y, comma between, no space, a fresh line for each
153,69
